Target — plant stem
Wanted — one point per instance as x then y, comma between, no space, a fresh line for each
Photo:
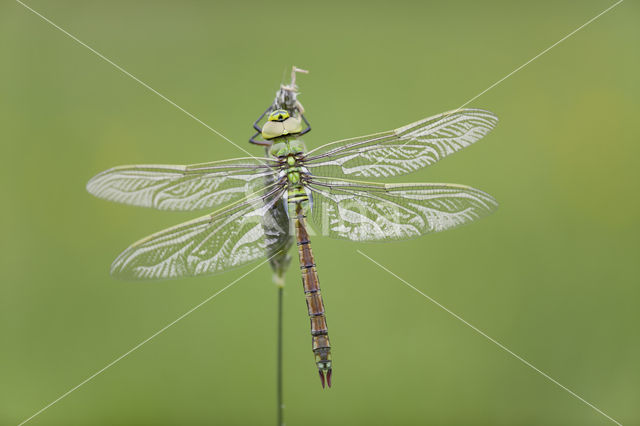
279,392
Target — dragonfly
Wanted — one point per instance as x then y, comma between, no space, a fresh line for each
321,190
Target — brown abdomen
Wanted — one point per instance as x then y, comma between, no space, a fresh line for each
315,305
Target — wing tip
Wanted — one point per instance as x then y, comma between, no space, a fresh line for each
95,185
489,201
121,272
491,118
92,185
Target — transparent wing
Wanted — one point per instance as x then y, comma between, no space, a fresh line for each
277,225
219,241
402,150
168,187
362,211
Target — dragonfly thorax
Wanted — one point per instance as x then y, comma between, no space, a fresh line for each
289,153
287,148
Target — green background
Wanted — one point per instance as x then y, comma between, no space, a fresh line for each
553,275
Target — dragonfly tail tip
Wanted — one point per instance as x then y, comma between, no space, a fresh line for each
325,380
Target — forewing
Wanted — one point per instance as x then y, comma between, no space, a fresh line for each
169,187
373,212
220,241
402,150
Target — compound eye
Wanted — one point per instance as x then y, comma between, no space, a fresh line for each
278,115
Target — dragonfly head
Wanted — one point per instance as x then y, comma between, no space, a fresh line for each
281,123
279,115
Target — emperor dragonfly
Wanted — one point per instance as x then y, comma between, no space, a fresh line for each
315,184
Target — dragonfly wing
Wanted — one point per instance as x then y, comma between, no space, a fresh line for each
219,241
402,150
168,187
373,212
277,225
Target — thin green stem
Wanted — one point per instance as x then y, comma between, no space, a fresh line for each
279,391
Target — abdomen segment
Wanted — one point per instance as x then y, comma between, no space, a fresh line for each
315,305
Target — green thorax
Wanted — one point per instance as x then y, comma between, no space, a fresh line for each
284,146
289,152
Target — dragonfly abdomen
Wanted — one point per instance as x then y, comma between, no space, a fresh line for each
315,305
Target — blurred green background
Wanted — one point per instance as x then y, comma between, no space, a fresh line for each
553,275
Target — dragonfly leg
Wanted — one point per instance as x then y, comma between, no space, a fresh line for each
308,129
255,123
255,141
